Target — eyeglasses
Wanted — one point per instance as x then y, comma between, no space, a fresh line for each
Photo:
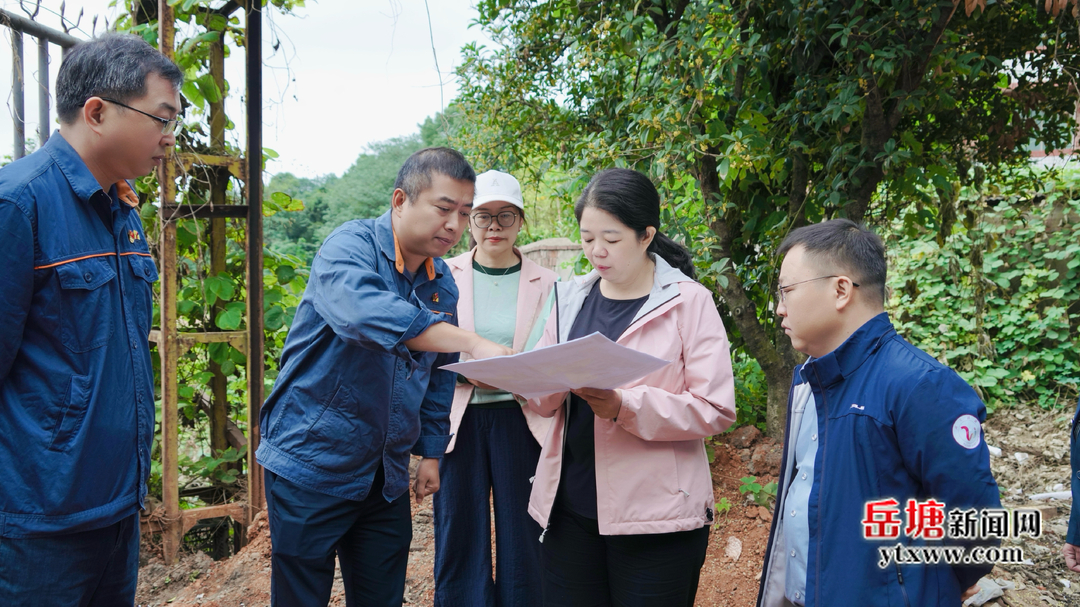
168,125
506,219
781,290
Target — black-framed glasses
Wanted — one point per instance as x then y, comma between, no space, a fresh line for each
781,290
168,125
506,219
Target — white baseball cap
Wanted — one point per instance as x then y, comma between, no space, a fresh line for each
496,186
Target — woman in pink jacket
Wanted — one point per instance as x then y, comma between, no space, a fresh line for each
623,488
495,442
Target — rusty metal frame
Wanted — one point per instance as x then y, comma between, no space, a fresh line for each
173,343
19,26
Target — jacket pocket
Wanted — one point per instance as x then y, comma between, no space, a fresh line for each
142,291
87,303
339,440
72,414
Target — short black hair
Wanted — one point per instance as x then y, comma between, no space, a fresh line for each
111,65
847,246
415,175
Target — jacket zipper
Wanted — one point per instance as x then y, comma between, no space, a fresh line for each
821,489
555,289
903,589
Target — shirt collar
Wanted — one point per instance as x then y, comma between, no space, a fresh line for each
850,355
72,166
388,242
78,174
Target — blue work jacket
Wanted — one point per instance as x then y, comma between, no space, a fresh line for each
76,381
1073,535
891,424
350,394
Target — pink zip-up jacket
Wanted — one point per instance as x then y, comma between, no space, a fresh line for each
652,473
534,287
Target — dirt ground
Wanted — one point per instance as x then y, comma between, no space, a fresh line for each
737,542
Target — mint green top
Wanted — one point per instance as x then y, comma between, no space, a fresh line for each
494,315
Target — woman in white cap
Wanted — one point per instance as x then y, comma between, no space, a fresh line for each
496,442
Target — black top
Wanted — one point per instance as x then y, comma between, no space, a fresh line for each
610,317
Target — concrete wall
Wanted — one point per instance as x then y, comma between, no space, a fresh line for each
554,254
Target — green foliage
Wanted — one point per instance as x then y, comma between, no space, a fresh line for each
323,203
1023,345
722,508
214,468
751,390
762,495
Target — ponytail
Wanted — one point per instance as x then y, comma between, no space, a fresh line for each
674,253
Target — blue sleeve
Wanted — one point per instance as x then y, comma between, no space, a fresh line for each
1073,535
357,303
16,281
435,409
949,472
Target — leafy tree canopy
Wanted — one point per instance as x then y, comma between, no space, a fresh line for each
758,117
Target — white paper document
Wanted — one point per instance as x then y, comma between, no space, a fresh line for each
593,361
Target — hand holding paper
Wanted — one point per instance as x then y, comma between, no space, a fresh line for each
593,361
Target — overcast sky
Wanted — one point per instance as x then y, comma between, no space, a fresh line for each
345,74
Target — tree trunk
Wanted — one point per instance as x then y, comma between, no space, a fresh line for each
776,363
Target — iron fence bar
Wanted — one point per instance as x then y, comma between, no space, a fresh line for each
19,27
43,94
255,370
37,30
18,103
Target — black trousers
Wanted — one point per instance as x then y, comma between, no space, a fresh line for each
307,528
582,568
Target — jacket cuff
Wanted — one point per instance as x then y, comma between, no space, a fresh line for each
970,575
420,323
1073,535
431,446
627,416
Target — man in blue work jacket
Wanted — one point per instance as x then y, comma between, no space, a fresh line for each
76,382
360,388
884,461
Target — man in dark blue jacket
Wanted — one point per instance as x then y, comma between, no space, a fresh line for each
360,388
76,381
1071,550
884,462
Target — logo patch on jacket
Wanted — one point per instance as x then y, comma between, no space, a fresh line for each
133,235
966,431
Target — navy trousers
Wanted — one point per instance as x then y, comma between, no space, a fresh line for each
585,569
86,569
307,528
494,458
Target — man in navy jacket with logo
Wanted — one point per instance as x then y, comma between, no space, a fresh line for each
76,301
360,388
883,453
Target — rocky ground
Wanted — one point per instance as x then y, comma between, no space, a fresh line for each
1033,460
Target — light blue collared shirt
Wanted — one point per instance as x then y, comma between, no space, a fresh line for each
796,524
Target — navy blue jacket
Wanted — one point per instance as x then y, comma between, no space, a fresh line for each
76,381
1073,536
350,395
891,422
